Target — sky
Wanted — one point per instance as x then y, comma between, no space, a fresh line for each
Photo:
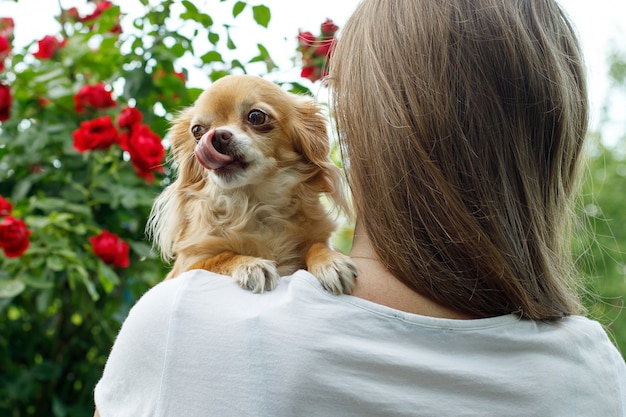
601,26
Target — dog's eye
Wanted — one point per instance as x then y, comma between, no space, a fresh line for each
258,117
197,131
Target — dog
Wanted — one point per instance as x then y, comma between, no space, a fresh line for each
252,165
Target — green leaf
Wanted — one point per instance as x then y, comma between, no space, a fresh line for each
192,13
51,204
229,42
212,56
41,281
191,8
21,189
43,299
264,56
178,50
108,277
11,288
261,15
235,63
47,76
142,249
78,273
238,8
216,75
300,89
214,38
55,263
194,93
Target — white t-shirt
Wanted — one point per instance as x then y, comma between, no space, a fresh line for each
199,345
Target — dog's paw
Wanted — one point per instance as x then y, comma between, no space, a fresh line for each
256,275
334,270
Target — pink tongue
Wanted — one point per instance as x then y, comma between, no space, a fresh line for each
207,155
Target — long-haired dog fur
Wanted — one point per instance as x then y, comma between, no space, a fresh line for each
252,163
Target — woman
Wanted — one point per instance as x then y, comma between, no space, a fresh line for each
463,124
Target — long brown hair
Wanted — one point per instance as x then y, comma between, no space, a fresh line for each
464,123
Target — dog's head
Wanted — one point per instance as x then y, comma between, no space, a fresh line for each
243,129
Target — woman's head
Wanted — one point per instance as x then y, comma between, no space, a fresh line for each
463,123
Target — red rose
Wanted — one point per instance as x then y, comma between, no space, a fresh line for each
306,39
146,151
311,72
48,46
5,207
160,73
14,237
329,28
5,101
5,50
108,247
100,7
95,134
5,46
325,47
316,51
73,15
43,101
180,76
95,96
129,118
7,25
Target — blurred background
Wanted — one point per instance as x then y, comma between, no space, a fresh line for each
79,169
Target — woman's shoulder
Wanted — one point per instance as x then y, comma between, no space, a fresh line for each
200,293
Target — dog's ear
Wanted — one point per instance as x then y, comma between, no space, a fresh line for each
179,132
311,140
183,145
310,131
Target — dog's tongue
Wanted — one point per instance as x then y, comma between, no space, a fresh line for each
207,155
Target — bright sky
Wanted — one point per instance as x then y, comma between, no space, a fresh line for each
600,25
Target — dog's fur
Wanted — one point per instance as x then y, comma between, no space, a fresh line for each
253,162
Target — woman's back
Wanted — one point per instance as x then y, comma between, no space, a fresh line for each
301,351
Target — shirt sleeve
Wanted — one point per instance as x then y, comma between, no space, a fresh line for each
131,381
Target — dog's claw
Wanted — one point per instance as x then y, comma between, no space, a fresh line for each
334,270
257,276
338,276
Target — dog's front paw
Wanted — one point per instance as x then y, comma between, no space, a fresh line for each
334,270
256,274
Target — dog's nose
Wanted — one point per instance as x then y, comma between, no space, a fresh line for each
221,139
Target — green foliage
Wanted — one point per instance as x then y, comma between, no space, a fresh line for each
60,304
602,248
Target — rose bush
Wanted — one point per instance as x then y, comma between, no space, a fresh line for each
83,119
83,122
